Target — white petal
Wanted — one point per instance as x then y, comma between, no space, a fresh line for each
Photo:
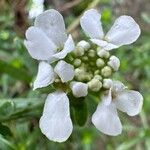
38,44
55,122
124,31
79,89
68,47
114,62
106,119
99,42
117,86
107,99
64,70
45,76
52,23
129,101
104,44
91,23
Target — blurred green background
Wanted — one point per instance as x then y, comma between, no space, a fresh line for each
21,108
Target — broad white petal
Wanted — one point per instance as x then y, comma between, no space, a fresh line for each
114,62
106,119
129,101
64,70
52,23
107,99
79,89
39,46
91,23
45,76
124,31
55,122
68,47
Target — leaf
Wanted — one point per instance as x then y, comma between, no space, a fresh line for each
79,110
19,74
4,130
20,108
6,108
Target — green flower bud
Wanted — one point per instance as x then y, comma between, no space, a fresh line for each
79,51
91,53
102,53
95,85
100,63
78,71
99,77
97,72
85,58
106,71
77,62
84,45
107,83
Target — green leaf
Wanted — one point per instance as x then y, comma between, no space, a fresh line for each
79,110
20,108
18,73
4,130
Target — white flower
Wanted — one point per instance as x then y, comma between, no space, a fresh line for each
79,89
124,31
106,117
46,74
55,122
47,39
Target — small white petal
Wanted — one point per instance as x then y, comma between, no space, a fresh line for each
68,47
79,89
99,42
114,62
64,70
107,99
104,44
129,101
45,76
124,31
106,119
52,23
55,122
38,44
117,86
91,24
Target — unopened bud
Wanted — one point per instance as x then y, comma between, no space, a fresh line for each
78,71
114,62
95,85
97,72
85,45
77,62
91,53
85,58
100,63
99,77
106,71
107,83
79,51
102,53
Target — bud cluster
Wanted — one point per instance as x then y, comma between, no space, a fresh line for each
93,65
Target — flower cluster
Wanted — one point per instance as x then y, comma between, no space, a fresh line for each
80,69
